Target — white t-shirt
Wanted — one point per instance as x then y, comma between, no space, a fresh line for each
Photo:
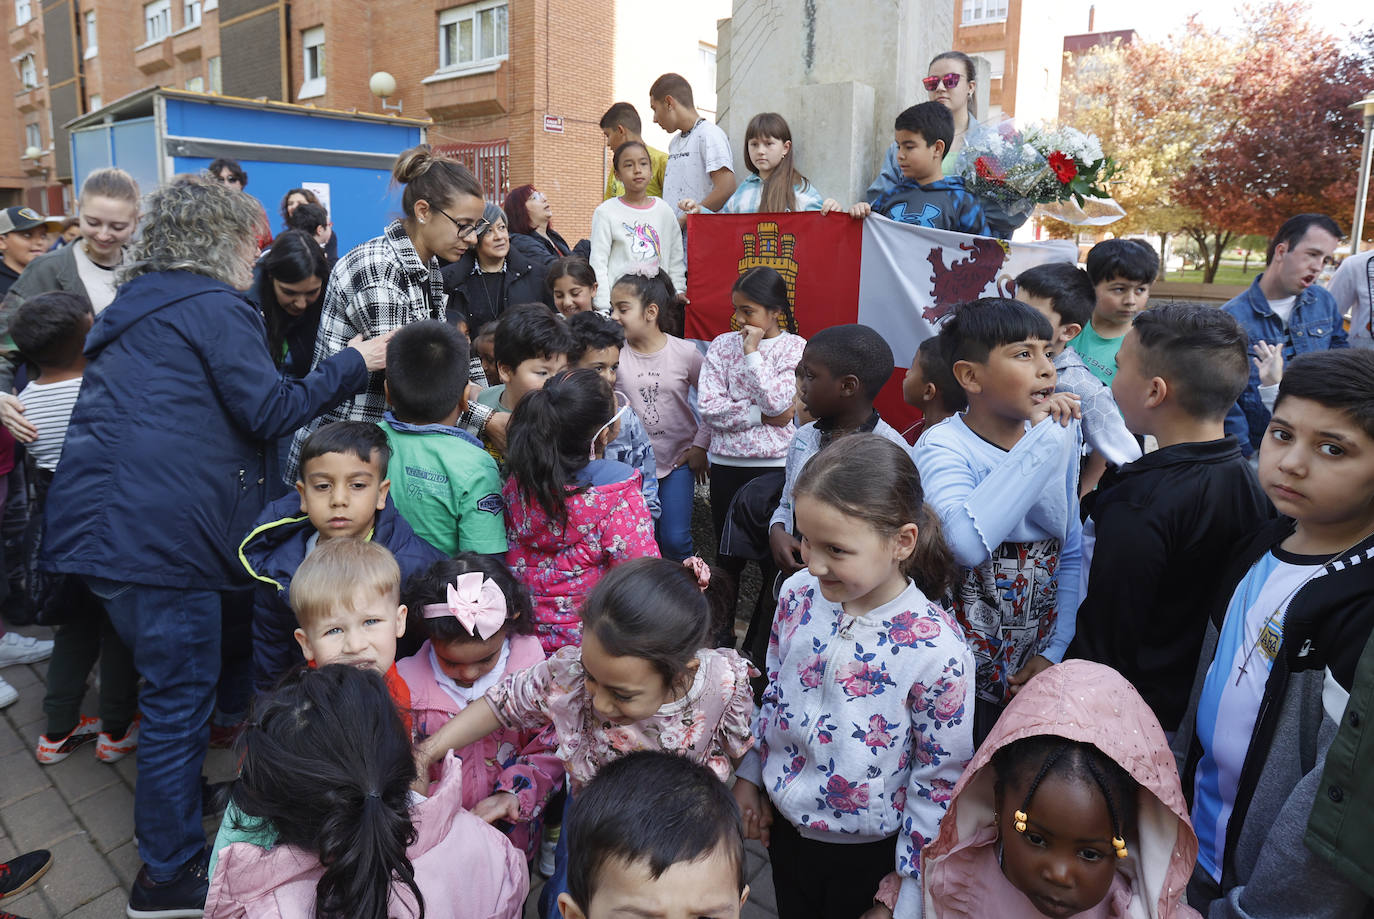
692,157
98,280
49,407
1234,688
1283,308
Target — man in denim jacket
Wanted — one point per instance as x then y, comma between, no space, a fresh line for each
1285,307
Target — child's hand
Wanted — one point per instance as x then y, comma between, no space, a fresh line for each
752,335
755,813
786,549
12,415
1268,361
695,459
1061,406
495,430
878,911
861,210
689,206
829,205
1023,676
501,806
423,760
779,420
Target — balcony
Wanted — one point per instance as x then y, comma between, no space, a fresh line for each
29,35
154,56
186,44
467,94
27,100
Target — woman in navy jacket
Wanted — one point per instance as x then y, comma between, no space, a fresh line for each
162,474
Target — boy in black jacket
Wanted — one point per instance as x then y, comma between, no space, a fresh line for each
1163,525
1281,655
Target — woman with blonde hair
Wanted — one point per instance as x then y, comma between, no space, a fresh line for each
162,472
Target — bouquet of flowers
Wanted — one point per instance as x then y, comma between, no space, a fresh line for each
1043,165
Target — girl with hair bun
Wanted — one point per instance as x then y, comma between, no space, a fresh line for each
394,279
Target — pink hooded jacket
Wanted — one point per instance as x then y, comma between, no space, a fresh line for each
520,762
1094,704
464,867
559,565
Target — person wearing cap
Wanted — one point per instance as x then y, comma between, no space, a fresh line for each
23,237
492,276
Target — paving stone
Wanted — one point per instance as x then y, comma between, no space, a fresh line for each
10,740
23,777
39,821
108,816
31,904
28,710
127,769
81,774
109,905
126,861
23,677
79,875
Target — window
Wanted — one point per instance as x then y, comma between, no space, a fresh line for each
997,63
312,45
213,78
95,102
473,34
23,11
28,72
157,20
191,14
92,43
979,11
32,137
196,84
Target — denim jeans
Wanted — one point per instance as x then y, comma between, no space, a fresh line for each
674,527
174,636
558,881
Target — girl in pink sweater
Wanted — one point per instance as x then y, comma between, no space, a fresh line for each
479,628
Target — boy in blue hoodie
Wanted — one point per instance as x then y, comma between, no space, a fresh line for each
343,492
926,196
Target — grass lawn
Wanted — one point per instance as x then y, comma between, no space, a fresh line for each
1227,273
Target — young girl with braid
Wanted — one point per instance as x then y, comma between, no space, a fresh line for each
1072,807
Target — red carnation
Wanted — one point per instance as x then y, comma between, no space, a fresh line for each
1063,167
987,172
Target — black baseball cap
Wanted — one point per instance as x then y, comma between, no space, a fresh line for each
14,219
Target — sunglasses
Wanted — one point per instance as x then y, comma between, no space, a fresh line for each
622,406
950,80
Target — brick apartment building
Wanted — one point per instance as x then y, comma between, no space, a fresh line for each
514,87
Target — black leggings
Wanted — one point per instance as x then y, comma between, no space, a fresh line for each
825,880
725,481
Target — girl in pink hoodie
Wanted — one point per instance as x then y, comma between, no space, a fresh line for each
476,617
322,822
571,514
1072,807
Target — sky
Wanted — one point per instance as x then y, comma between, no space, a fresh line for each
1338,16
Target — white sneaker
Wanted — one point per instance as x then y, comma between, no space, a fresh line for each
8,694
20,649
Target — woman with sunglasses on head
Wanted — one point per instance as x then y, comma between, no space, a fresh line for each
394,279
951,82
491,276
530,215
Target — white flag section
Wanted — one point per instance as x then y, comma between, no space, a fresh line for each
912,277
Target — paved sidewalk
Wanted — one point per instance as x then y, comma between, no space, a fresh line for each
83,810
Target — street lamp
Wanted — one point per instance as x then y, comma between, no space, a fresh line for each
383,84
1367,103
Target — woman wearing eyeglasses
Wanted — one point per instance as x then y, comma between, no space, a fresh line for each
394,279
950,82
491,276
531,234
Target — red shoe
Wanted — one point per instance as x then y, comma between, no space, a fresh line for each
55,750
109,750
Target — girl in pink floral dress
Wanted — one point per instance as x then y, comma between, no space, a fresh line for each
863,729
644,678
571,514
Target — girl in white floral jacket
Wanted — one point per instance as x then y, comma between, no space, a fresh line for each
865,726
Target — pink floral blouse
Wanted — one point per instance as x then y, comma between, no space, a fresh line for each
711,724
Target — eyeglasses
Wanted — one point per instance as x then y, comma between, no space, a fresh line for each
466,229
622,406
950,80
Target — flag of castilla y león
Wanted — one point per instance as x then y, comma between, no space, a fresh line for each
898,278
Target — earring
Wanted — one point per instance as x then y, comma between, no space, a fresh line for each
1020,824
1119,845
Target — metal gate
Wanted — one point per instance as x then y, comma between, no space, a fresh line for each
489,161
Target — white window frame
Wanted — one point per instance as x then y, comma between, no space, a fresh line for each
95,102
981,12
23,11
28,72
454,17
91,38
997,62
157,20
313,63
214,75
33,136
191,13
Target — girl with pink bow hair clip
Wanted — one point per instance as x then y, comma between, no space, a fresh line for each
477,622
